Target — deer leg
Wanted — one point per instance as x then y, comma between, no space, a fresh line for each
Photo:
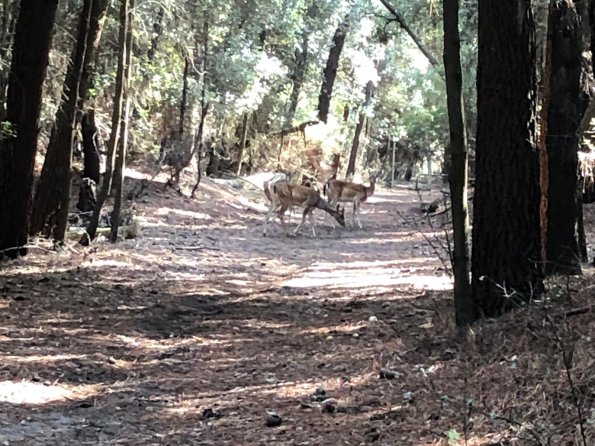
304,216
267,218
356,213
329,217
311,218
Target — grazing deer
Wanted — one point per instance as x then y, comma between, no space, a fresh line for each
282,195
345,191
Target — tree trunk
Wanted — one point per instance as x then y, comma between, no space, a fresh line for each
184,101
457,173
243,142
53,188
506,236
121,160
358,129
330,72
564,116
204,108
30,54
115,130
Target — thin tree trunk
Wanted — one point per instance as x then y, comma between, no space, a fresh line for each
330,72
243,142
32,41
457,174
204,108
121,160
298,76
358,130
184,101
53,188
115,131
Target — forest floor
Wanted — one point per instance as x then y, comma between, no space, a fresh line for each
203,332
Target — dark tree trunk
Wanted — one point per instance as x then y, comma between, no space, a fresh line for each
184,101
32,42
123,147
564,116
330,72
243,142
53,189
91,167
506,235
457,173
115,130
358,130
204,108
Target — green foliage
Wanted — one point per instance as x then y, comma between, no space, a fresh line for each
252,51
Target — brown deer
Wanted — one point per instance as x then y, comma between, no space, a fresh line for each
282,195
344,191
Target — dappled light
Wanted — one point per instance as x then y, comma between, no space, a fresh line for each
31,393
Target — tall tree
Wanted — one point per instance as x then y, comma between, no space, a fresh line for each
52,194
30,52
564,116
115,130
330,71
359,127
457,174
506,237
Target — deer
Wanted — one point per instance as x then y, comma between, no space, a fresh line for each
345,191
283,194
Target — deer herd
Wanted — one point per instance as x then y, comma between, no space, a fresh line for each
284,195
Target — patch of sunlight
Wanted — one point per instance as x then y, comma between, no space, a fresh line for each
109,262
344,328
293,390
27,392
184,213
40,358
368,279
388,264
387,237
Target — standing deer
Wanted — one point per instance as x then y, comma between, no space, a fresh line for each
345,191
282,195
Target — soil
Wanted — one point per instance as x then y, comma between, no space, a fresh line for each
203,332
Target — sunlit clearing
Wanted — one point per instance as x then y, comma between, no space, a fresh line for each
183,213
26,392
44,359
369,278
114,263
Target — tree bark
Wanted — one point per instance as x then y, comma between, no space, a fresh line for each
115,130
204,109
458,171
32,41
53,188
564,116
358,129
298,76
243,142
330,72
506,238
123,147
184,101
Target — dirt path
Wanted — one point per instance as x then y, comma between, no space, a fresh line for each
198,331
